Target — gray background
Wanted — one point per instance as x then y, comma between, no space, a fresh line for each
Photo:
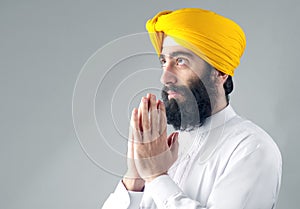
43,46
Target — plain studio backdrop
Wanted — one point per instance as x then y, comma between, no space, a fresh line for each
54,158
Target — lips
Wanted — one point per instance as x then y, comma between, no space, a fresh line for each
173,94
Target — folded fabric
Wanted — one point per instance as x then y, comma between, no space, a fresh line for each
216,39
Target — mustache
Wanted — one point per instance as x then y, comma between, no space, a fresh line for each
178,89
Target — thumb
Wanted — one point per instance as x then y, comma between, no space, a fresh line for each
130,144
173,142
174,146
171,138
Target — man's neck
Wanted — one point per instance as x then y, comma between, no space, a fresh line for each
219,105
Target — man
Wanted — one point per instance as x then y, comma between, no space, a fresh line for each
215,159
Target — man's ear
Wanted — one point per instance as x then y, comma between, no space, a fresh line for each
221,77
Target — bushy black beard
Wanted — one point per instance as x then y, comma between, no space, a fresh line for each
193,111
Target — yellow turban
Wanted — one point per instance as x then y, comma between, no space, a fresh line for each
216,39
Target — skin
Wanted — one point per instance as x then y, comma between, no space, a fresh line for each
150,152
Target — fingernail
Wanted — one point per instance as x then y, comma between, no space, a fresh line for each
161,103
157,104
144,99
134,111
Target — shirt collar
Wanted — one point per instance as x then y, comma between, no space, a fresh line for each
216,120
209,129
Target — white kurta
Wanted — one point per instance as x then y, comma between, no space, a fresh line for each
229,163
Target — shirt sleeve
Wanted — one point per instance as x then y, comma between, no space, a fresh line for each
251,180
166,194
123,199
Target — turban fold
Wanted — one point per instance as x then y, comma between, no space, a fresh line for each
216,39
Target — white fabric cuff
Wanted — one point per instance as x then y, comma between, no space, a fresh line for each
119,199
161,189
135,198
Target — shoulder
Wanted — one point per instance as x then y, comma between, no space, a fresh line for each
244,138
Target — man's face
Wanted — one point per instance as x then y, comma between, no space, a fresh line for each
185,78
180,67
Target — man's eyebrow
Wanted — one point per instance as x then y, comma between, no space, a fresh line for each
177,53
161,56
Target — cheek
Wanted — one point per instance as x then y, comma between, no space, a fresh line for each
200,69
189,78
186,77
196,74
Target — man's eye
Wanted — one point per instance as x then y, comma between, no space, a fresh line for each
162,62
181,61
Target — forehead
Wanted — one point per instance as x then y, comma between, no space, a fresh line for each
180,51
177,50
170,48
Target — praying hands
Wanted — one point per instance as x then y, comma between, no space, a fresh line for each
150,152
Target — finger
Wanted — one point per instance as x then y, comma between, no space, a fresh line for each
149,98
131,172
173,139
130,143
162,118
154,123
145,119
137,137
170,138
174,145
140,127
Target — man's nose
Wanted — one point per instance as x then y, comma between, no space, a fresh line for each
168,76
